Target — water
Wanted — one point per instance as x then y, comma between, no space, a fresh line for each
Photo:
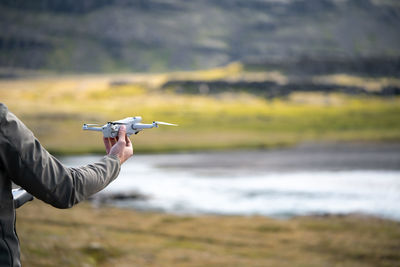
309,179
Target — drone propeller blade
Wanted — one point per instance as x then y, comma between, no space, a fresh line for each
91,124
165,123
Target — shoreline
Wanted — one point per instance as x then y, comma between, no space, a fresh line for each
235,147
106,202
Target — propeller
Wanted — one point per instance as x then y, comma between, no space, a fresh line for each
165,123
91,124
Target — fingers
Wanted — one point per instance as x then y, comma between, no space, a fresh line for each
128,141
118,144
113,141
107,144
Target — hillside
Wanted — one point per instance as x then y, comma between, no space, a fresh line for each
159,35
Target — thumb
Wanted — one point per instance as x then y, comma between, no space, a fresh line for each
122,133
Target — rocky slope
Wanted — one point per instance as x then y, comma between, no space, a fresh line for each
159,35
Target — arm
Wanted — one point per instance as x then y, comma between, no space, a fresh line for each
30,166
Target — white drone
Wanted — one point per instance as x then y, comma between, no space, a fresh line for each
133,126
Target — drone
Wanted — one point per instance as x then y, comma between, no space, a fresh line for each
133,126
20,197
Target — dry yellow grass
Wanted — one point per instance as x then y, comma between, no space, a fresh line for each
87,236
56,107
370,84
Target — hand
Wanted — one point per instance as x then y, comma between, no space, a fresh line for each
120,146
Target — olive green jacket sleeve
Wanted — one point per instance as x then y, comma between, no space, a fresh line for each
30,166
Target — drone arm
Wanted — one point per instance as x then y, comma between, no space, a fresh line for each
140,126
92,128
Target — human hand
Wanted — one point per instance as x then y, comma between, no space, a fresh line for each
120,146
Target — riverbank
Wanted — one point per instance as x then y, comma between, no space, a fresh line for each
89,236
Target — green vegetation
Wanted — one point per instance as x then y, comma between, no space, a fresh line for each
86,236
56,107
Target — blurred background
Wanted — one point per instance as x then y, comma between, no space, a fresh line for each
288,114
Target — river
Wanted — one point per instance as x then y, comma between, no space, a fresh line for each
303,180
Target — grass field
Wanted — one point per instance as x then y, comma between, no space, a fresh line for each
56,107
86,236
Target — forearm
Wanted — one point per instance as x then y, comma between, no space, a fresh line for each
29,165
92,178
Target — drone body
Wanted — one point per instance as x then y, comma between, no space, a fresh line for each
133,126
